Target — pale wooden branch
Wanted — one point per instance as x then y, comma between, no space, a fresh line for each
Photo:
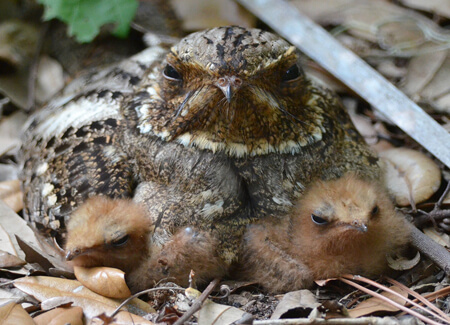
427,246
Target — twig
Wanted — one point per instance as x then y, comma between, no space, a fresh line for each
141,293
386,299
331,321
437,294
197,304
430,248
34,69
419,298
406,299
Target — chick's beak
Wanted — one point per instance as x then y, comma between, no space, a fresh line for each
71,254
229,86
360,226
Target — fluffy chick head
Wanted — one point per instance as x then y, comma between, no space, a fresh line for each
347,225
108,232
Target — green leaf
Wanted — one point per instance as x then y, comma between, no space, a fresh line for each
85,17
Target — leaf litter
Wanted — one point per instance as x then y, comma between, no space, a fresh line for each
404,45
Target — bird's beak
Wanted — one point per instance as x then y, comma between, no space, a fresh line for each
360,226
229,86
71,254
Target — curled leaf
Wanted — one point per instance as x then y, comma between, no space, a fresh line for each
61,315
105,281
9,260
373,304
401,263
13,314
410,176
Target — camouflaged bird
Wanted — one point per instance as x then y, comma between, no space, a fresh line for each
218,131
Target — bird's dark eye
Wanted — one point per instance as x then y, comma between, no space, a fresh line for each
292,73
119,242
375,210
170,73
318,220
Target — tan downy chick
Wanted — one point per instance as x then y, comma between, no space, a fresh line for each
107,232
341,226
117,233
187,250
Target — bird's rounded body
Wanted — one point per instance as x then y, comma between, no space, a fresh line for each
220,130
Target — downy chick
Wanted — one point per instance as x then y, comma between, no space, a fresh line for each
117,233
108,232
341,226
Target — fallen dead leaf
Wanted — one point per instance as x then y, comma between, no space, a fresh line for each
401,263
9,260
13,314
60,316
10,132
50,79
105,281
421,70
200,14
44,288
93,308
410,175
373,304
217,314
441,238
15,225
303,301
440,7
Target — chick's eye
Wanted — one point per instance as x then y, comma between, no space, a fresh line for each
375,210
170,73
292,73
318,220
120,241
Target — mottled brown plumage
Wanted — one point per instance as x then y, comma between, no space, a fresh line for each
342,226
219,131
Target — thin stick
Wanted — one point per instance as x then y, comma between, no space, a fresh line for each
437,253
419,298
197,304
381,297
382,287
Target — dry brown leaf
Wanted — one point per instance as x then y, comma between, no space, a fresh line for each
10,132
373,304
15,225
440,7
421,70
93,308
13,314
11,194
53,292
200,14
302,299
9,260
105,281
409,174
217,314
50,79
61,316
402,263
6,243
441,238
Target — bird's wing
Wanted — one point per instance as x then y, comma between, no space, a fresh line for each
70,148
